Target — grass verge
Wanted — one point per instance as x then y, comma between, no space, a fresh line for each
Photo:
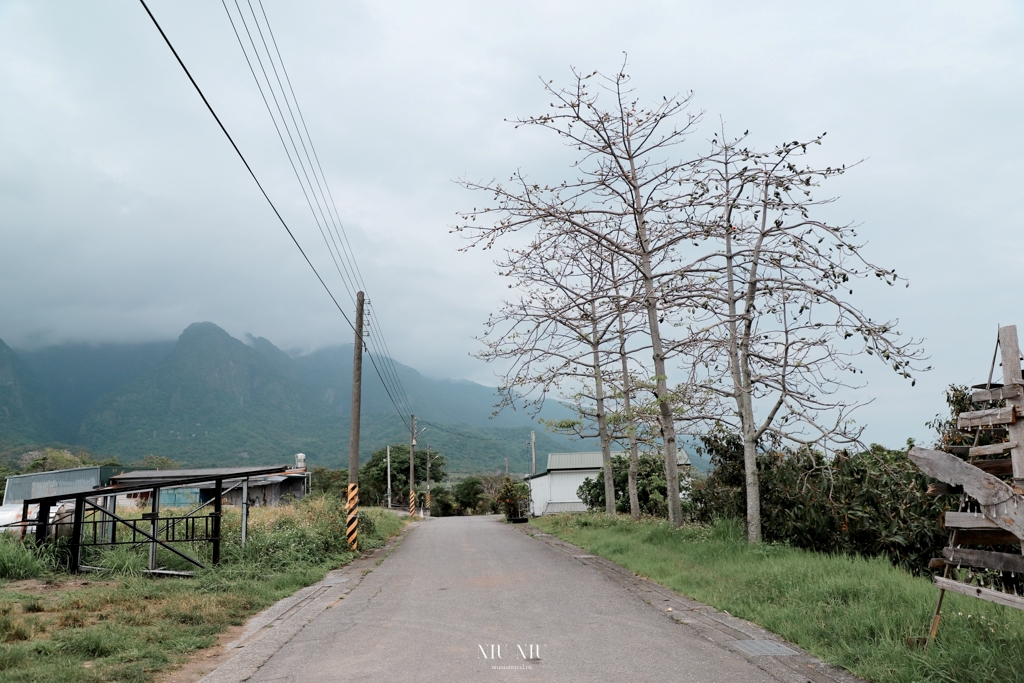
121,626
849,611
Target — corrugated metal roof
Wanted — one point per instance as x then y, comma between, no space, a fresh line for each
159,476
593,460
58,482
575,461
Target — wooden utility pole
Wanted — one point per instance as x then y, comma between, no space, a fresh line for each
412,465
352,525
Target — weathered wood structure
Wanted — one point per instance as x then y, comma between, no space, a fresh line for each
990,483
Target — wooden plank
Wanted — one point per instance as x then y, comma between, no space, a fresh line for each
968,520
997,500
984,559
987,594
999,468
985,537
986,418
992,449
1009,349
940,489
996,394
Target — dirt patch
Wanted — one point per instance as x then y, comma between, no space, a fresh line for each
38,587
204,661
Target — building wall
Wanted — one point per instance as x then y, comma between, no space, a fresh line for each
540,493
54,483
557,487
565,484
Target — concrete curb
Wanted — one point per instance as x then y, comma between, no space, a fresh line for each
268,631
719,627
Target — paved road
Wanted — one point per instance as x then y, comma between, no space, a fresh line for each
456,589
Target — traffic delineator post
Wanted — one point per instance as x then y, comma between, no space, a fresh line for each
352,523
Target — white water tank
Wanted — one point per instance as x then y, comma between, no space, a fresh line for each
300,461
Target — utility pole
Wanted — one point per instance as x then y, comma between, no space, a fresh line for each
428,480
412,466
533,451
352,523
389,477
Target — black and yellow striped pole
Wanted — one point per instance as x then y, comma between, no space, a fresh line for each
352,508
412,466
352,523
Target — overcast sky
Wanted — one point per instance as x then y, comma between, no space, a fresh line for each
124,214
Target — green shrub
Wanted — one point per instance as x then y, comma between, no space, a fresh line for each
514,498
871,503
468,494
651,489
442,504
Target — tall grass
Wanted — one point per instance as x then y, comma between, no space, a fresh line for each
17,560
850,611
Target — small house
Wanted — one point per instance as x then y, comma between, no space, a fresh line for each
554,490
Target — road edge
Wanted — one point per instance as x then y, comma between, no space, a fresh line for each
715,625
268,631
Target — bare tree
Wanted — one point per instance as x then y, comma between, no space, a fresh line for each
629,199
556,332
769,313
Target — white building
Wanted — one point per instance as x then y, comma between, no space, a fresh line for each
554,490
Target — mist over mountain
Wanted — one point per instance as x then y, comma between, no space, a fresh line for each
25,412
75,376
211,399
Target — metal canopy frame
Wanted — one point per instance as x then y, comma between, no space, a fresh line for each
104,529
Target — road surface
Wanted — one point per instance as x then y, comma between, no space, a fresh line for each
474,599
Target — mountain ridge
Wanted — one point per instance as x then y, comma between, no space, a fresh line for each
211,399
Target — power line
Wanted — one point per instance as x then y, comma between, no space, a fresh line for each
288,151
464,436
339,237
338,225
345,262
277,213
321,191
246,163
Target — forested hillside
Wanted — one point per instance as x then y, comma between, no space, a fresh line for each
25,411
211,399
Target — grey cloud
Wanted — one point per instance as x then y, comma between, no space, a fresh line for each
125,215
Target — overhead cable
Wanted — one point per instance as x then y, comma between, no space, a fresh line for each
246,163
277,213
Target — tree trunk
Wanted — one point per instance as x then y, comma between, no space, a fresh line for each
634,498
744,403
753,489
602,419
668,426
